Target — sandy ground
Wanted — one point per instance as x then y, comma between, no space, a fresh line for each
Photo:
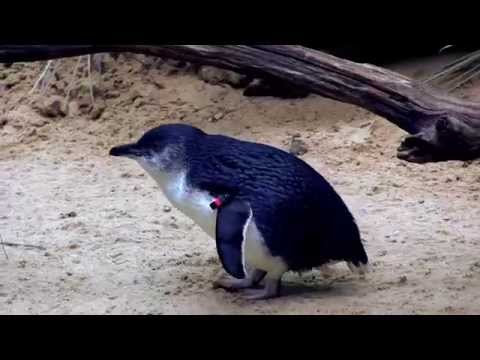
90,234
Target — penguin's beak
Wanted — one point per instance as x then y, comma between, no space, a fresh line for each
129,150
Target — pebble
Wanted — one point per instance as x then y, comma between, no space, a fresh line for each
53,107
216,76
97,112
217,117
70,214
298,147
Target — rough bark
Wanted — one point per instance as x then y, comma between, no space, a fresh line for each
440,127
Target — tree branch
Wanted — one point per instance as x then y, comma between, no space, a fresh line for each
441,127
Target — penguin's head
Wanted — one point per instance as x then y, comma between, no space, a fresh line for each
161,148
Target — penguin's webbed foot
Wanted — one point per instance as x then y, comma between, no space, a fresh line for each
229,283
270,291
232,284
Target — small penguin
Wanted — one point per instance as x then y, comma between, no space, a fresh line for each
268,211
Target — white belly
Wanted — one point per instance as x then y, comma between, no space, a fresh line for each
193,203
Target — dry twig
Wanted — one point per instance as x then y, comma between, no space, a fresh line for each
27,246
89,69
3,247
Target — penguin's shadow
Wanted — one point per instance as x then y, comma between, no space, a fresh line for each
331,287
292,289
295,289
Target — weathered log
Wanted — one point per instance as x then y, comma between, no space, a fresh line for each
441,127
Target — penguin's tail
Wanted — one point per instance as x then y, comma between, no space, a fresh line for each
360,268
360,264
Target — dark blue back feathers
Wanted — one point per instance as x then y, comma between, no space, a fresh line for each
299,214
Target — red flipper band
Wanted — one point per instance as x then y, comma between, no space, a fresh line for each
217,202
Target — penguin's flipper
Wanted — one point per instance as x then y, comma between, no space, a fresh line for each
232,220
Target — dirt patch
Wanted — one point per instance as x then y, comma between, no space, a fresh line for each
95,235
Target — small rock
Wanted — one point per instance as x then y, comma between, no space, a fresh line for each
215,76
298,147
84,90
139,102
97,112
73,108
69,273
53,107
167,209
11,81
112,94
178,102
32,133
158,84
134,94
402,280
217,117
70,214
38,122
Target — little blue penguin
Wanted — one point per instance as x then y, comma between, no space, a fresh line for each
268,211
